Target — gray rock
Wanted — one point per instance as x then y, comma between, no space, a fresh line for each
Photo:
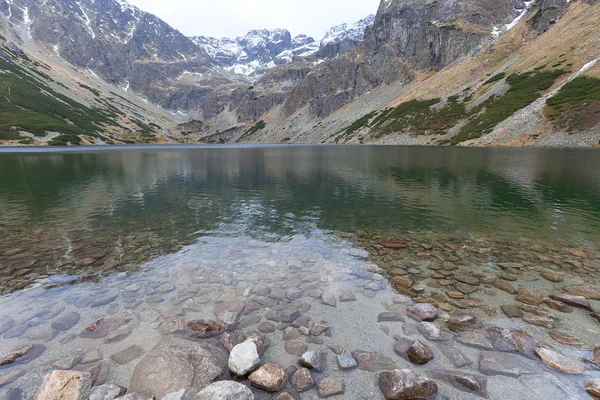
107,392
176,363
302,380
243,358
225,390
346,363
390,317
180,395
137,396
493,363
66,321
430,330
464,381
328,299
127,355
372,361
316,360
423,312
14,354
330,387
455,356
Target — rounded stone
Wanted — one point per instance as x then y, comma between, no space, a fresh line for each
269,377
225,390
243,358
302,380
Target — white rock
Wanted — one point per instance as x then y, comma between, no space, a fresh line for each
65,385
225,390
180,395
243,358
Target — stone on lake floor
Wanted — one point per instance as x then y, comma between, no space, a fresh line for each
127,355
573,300
65,385
203,328
107,392
592,387
243,358
347,296
423,312
177,363
98,372
455,356
512,311
231,339
559,306
11,377
67,362
346,363
539,321
225,390
460,320
559,362
419,353
551,277
588,292
287,395
102,327
467,382
506,287
328,299
476,339
66,322
269,377
328,387
14,354
494,363
390,317
430,330
295,348
316,360
302,380
172,326
504,339
372,361
405,384
179,395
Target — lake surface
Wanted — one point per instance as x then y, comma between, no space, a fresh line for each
149,238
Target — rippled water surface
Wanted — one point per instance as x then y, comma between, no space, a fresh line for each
151,238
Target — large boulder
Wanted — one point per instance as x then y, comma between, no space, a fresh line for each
176,363
65,385
402,384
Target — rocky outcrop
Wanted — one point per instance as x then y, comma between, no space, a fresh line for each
548,13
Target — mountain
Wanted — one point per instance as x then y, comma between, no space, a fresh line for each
260,50
499,72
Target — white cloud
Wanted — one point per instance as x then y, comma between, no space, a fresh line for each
232,18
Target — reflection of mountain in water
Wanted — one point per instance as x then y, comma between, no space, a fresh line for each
275,191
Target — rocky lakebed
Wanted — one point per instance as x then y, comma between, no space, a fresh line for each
348,316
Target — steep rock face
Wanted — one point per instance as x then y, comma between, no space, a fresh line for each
548,12
431,34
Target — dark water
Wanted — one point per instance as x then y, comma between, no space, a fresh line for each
149,238
280,191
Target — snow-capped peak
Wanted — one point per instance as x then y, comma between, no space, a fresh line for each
355,31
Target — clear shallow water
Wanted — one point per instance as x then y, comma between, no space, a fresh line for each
88,225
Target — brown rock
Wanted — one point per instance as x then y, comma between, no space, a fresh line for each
406,385
512,311
592,387
460,320
302,380
551,277
538,320
573,300
295,348
203,328
269,377
394,244
65,385
462,380
14,354
558,305
127,355
588,292
423,312
329,387
419,353
529,298
559,362
506,287
565,338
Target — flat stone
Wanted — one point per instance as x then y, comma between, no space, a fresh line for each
528,298
98,372
347,296
559,362
65,385
504,339
269,377
12,355
102,301
506,287
573,300
266,327
405,385
592,387
302,380
66,321
511,311
107,392
204,328
319,328
559,305
494,363
225,390
551,277
230,340
467,278
330,387
372,361
316,360
538,320
102,327
67,362
328,299
474,339
243,358
295,348
455,294
470,383
394,244
455,356
291,333
565,338
91,356
176,363
173,325
127,355
11,377
390,317
588,292
346,363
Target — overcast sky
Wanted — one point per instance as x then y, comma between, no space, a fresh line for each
232,18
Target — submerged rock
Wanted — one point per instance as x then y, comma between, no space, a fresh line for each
65,385
493,363
269,377
419,353
316,360
66,321
176,363
372,361
203,328
302,380
225,390
423,312
406,385
559,362
107,392
330,387
592,387
464,381
346,363
14,354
